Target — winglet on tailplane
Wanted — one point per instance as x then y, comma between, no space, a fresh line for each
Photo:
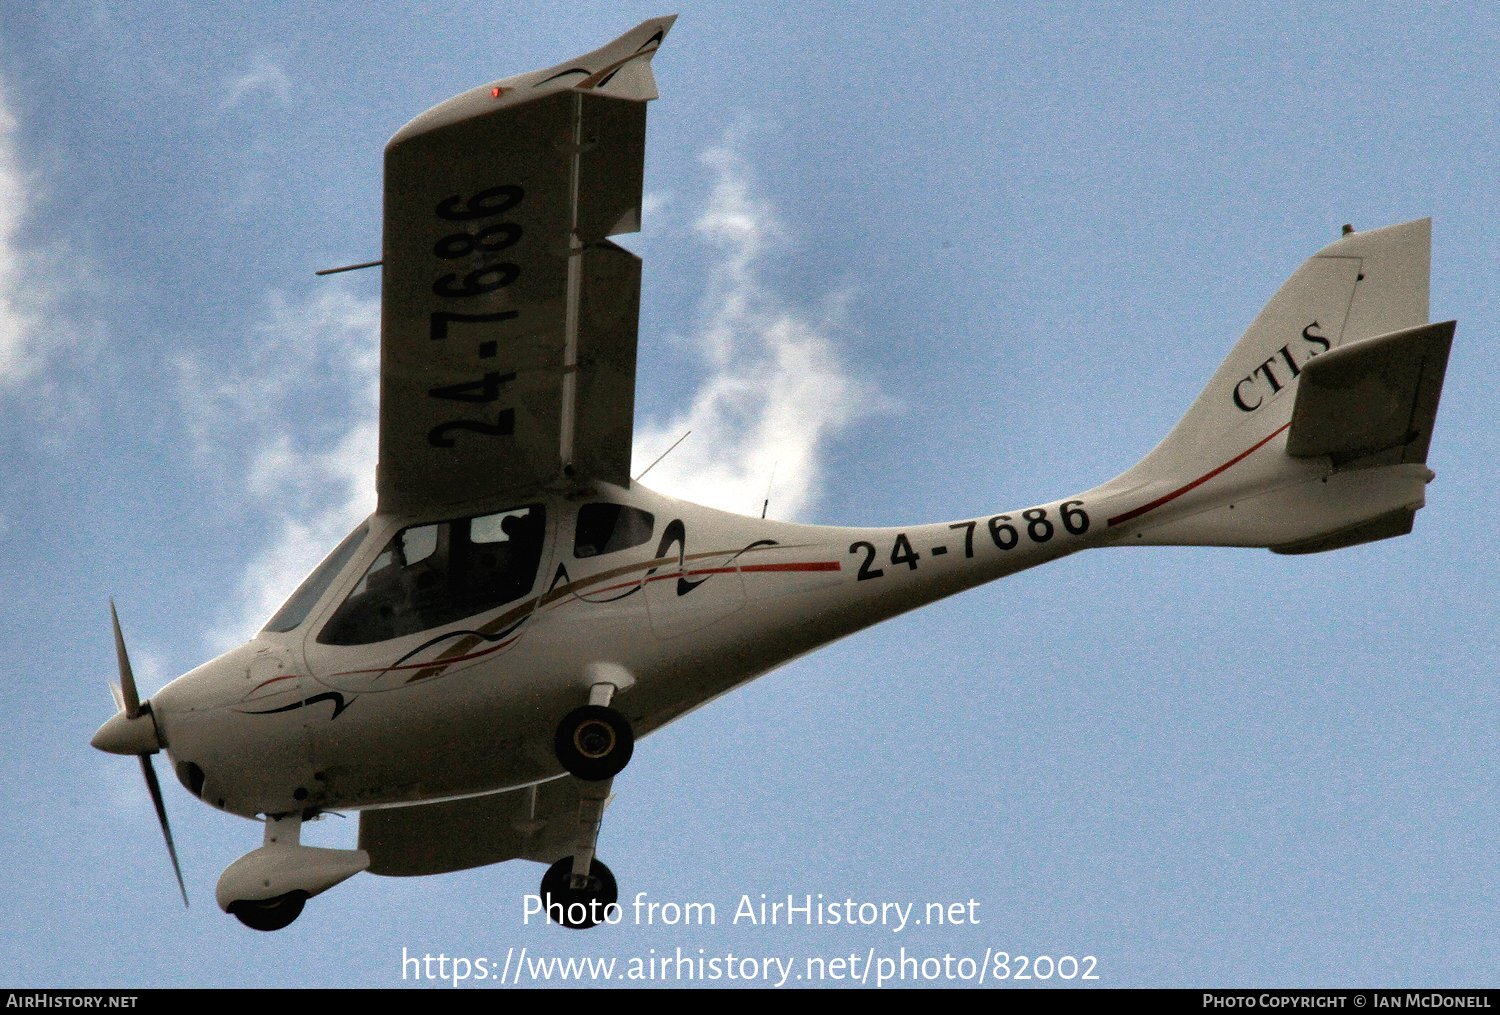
1313,434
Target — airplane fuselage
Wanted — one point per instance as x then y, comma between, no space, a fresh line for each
708,601
699,602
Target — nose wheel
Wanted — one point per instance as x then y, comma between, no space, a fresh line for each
594,742
269,914
266,888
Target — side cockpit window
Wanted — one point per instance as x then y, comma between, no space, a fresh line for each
605,528
432,575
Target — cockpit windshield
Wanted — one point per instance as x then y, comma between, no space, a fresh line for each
296,609
431,575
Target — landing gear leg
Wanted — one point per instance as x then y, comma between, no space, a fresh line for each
593,742
581,884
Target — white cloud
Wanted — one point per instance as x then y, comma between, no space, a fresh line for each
331,491
147,665
263,76
776,390
312,475
655,203
322,352
22,296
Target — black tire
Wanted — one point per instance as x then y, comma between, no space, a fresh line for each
594,742
269,914
578,908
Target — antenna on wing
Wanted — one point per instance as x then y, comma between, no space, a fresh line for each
659,457
350,267
767,502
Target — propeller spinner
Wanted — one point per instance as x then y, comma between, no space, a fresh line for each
133,730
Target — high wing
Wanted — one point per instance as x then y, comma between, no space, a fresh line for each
508,320
534,823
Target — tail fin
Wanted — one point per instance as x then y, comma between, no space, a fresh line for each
1313,433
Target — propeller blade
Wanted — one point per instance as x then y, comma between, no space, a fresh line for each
161,815
127,678
119,736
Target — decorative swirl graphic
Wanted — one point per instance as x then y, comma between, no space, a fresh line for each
339,704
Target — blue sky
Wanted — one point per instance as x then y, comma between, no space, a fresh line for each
1008,243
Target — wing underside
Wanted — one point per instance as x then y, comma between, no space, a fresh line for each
535,823
508,327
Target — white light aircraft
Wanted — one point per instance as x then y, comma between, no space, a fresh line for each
470,667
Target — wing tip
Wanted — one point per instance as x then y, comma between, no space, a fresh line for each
620,68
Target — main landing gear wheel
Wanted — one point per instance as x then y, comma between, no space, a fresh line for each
578,908
594,742
269,914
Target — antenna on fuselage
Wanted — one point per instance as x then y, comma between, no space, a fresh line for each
659,457
765,504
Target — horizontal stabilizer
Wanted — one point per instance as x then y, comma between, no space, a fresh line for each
1372,402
